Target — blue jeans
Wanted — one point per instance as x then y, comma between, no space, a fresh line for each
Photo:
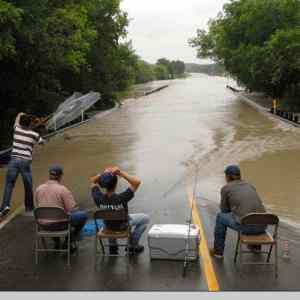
225,220
18,166
139,224
78,219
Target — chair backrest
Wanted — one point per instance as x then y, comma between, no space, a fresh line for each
260,219
111,215
50,214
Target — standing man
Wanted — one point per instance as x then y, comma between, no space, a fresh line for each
110,200
238,198
54,193
24,140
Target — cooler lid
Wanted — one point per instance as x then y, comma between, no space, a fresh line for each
173,230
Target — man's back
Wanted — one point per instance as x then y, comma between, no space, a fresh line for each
23,142
240,198
52,194
115,202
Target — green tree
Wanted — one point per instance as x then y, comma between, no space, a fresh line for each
144,72
51,48
257,42
161,72
10,18
178,67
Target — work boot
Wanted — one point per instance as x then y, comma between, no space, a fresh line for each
216,254
113,250
135,249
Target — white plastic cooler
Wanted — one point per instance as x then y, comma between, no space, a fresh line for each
168,241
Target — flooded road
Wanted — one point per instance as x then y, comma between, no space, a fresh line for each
163,136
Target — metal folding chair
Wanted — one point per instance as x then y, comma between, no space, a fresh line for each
104,233
259,219
46,217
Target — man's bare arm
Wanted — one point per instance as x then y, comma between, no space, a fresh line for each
134,182
94,180
17,122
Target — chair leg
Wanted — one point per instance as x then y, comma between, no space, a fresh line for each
241,252
44,243
102,246
36,250
269,253
127,252
96,248
69,246
236,250
276,261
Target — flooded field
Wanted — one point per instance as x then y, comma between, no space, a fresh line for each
162,137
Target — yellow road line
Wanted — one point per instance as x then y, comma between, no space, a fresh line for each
210,275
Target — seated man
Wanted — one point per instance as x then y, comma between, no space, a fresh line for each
238,198
53,193
111,200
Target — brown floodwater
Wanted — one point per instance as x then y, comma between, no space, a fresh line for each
162,137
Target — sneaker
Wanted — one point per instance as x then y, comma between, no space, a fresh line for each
216,254
4,211
136,249
113,250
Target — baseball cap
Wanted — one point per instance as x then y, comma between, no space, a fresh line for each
56,170
107,180
233,170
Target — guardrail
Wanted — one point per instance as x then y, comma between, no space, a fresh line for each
156,90
292,117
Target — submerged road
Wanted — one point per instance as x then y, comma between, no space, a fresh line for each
194,126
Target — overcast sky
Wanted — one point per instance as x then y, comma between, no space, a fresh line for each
161,28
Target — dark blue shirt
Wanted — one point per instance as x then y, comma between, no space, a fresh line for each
115,202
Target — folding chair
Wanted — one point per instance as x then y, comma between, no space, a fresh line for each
103,233
46,217
266,238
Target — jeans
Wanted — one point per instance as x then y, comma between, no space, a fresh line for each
139,224
18,166
225,220
78,219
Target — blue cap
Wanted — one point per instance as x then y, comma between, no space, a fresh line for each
106,179
56,170
233,170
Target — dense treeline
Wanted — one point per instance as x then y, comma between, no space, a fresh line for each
258,42
51,48
162,70
209,69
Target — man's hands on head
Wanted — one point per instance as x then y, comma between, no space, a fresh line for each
114,170
134,182
94,180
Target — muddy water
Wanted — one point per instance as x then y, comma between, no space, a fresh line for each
162,137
